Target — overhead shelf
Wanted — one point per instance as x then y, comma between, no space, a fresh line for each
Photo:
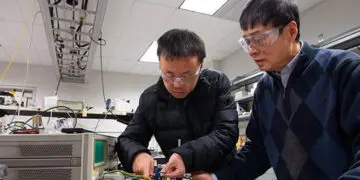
246,80
123,118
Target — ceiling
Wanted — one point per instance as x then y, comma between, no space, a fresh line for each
129,27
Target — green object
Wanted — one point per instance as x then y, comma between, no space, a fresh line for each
99,154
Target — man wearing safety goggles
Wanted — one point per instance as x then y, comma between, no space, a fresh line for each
189,111
305,120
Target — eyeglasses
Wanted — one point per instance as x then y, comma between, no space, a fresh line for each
185,79
261,40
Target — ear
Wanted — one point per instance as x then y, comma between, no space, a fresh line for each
293,30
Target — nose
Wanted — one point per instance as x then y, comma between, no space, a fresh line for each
177,84
252,51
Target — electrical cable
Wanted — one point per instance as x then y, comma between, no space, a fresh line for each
27,67
21,122
84,7
18,44
99,39
27,63
102,73
47,123
57,16
76,35
72,111
99,121
58,85
17,109
130,174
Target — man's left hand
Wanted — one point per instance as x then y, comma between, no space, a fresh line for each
175,167
201,175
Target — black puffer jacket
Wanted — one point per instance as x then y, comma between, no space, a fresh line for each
206,122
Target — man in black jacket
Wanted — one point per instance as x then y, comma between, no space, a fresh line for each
187,105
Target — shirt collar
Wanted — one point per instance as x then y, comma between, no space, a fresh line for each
289,68
291,65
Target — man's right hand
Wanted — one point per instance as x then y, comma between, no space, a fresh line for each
143,165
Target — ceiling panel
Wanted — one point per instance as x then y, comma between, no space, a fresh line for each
131,48
23,55
306,4
232,10
183,19
12,33
29,8
116,17
147,19
108,49
39,39
209,28
145,68
44,57
4,57
9,10
171,3
229,43
121,65
96,63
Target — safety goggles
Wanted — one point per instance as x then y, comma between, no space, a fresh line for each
260,40
185,79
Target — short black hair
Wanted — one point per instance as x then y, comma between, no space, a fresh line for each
181,43
275,12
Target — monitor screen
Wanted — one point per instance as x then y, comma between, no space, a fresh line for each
99,152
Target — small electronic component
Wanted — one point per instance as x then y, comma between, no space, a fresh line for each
37,121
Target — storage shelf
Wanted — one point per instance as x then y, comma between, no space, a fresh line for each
30,112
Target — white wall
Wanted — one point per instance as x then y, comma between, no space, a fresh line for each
117,85
330,17
237,64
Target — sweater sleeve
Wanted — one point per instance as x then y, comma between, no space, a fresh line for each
348,75
251,160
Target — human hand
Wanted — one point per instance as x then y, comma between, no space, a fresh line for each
143,165
175,167
201,175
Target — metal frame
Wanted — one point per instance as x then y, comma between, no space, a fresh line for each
341,38
53,44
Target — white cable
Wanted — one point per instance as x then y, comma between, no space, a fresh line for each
27,62
28,58
97,124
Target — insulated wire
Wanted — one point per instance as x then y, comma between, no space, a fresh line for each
19,42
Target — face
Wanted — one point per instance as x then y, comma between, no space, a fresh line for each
268,47
180,74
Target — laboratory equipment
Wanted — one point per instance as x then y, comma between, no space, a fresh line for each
57,156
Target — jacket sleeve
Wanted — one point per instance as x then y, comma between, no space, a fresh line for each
135,139
349,78
204,151
251,160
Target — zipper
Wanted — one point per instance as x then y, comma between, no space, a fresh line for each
284,92
192,134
